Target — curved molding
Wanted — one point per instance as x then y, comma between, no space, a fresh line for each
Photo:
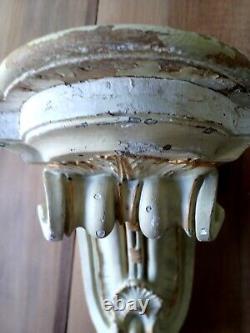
130,123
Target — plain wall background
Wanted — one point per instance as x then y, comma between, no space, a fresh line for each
40,283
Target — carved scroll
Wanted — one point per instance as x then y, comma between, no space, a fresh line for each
131,123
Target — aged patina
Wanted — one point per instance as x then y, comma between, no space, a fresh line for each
131,123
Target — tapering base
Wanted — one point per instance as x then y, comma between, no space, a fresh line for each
163,286
131,122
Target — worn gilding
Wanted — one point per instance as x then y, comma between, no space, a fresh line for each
131,123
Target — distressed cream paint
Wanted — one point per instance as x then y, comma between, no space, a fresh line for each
130,123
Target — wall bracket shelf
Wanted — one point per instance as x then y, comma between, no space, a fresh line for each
131,123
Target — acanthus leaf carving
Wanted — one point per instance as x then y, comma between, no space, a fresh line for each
131,123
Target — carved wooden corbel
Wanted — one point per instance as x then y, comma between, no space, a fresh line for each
130,123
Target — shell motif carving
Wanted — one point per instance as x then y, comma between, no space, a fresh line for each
130,123
136,235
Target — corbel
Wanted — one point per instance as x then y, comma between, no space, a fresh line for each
130,123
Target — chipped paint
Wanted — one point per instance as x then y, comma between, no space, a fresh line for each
106,43
131,121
